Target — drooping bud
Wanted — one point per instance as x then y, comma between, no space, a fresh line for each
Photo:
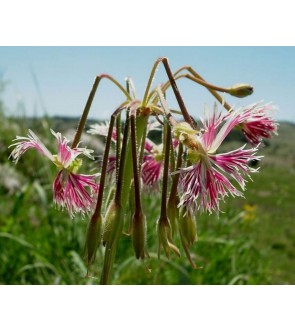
139,234
93,238
241,90
165,238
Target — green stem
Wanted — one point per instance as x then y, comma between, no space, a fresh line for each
93,236
117,224
165,172
130,87
135,166
89,102
97,210
205,84
142,150
173,199
117,84
120,178
173,193
196,76
213,92
152,74
121,198
141,123
118,142
211,88
172,156
85,112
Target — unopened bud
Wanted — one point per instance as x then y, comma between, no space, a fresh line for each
173,214
110,219
187,232
188,227
93,239
165,237
139,234
241,90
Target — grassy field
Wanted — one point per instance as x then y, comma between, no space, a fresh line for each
252,242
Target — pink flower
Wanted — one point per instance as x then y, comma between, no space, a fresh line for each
151,170
102,130
259,123
69,188
111,164
207,181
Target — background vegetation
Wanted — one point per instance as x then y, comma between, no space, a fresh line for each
252,242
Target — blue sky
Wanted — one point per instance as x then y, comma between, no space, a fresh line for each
65,76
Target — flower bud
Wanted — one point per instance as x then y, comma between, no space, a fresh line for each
110,219
241,90
139,234
173,215
188,227
93,239
165,237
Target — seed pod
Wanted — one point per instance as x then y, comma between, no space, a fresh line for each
173,215
93,239
188,226
110,219
139,234
165,237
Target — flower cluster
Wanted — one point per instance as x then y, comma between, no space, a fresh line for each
188,163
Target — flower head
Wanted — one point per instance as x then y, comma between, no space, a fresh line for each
69,188
152,166
207,180
258,123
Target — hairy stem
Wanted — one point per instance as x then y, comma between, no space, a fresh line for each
122,162
135,166
173,192
118,142
165,172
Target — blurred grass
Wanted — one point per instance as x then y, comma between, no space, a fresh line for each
252,242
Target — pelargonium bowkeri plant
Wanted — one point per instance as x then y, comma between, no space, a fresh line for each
193,176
